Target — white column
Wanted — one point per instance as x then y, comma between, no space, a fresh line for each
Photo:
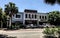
23,22
31,16
38,20
34,16
23,18
44,17
27,15
41,17
37,23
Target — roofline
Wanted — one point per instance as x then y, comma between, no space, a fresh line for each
37,13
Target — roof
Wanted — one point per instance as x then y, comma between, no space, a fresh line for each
29,10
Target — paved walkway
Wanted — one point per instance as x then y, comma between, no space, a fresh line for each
24,33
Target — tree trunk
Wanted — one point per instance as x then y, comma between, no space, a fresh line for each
7,22
10,21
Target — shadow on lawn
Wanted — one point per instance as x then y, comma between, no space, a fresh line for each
6,36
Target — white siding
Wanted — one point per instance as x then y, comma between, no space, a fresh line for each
14,19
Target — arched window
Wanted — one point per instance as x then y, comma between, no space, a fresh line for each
29,16
25,15
45,17
35,16
42,17
32,16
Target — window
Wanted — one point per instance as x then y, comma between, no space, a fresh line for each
25,15
45,17
32,16
40,17
29,16
18,16
35,16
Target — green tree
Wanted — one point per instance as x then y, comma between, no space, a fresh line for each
54,17
4,17
52,1
10,10
1,17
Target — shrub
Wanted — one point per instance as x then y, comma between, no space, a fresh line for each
59,30
50,32
47,31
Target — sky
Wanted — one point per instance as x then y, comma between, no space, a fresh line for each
38,5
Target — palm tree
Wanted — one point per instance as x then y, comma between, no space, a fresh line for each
52,1
1,17
10,10
4,17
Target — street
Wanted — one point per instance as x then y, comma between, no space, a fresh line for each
24,33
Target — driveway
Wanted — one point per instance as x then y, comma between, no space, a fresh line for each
24,33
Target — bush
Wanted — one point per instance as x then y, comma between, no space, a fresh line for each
13,27
50,32
22,26
47,31
58,31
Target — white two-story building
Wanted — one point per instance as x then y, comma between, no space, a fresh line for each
30,17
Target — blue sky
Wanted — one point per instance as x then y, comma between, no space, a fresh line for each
32,4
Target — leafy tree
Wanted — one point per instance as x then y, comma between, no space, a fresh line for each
4,18
52,1
1,16
54,17
10,10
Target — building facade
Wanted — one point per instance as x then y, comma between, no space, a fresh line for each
30,17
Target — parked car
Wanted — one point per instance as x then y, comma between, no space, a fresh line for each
31,26
34,26
40,26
